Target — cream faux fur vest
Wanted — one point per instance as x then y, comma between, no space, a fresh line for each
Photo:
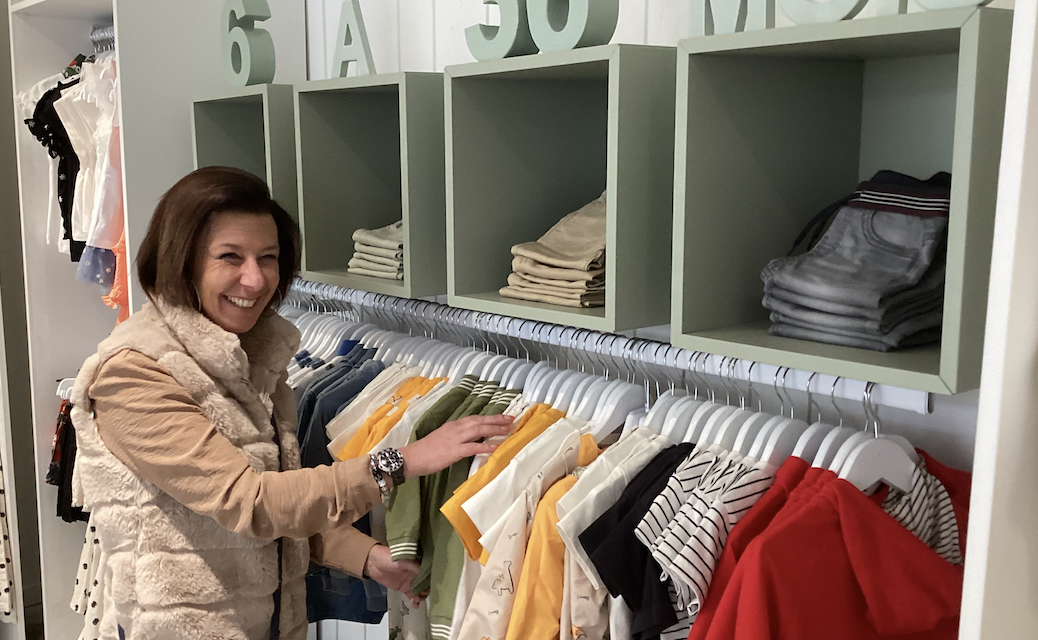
172,573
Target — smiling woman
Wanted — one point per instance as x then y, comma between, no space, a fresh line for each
220,244
188,455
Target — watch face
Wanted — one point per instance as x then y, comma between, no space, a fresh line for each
390,460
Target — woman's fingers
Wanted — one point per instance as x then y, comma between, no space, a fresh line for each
452,442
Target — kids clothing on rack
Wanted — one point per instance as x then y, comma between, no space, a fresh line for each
861,557
46,125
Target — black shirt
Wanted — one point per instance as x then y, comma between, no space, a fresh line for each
626,567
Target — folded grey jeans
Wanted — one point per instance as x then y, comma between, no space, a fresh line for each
863,259
893,338
924,337
883,322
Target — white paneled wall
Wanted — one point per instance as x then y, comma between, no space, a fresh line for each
428,35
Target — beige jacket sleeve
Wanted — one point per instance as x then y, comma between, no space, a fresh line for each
153,426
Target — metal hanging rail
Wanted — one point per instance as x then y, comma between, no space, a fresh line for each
585,349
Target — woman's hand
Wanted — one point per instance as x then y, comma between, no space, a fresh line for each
392,574
452,442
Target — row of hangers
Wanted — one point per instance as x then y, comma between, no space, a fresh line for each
865,456
603,402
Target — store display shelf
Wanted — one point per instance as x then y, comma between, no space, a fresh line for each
533,138
772,126
371,152
342,278
911,369
100,10
593,318
251,129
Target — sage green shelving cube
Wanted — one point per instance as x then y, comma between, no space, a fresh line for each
252,129
774,125
371,153
533,138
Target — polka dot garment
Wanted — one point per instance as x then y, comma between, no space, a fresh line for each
7,594
88,595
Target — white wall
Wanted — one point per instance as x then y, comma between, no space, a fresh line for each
427,35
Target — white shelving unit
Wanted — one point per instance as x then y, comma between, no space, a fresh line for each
168,56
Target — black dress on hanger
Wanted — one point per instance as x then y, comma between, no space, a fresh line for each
48,129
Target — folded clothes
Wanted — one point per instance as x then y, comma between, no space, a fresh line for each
385,275
558,292
377,259
388,237
859,322
576,242
361,263
892,338
527,267
930,291
551,286
533,296
393,254
924,337
864,258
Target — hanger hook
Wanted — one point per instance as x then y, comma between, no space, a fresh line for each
871,410
832,399
810,399
749,387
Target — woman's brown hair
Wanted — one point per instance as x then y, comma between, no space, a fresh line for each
167,256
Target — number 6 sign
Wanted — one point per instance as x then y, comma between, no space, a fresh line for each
248,52
546,25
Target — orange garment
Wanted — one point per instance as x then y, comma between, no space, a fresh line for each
537,611
119,296
354,448
532,424
386,424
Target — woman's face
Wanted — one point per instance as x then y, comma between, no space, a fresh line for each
237,269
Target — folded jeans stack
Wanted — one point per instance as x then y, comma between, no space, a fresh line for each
379,252
875,279
566,266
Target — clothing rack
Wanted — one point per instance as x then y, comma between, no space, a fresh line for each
658,365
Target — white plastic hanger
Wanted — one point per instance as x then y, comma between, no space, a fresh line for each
551,392
699,420
680,414
64,390
879,459
622,402
578,393
564,398
811,440
658,413
727,432
587,405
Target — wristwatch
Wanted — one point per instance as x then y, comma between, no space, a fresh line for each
387,462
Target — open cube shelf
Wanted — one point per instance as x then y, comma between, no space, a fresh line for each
250,129
772,126
371,153
533,138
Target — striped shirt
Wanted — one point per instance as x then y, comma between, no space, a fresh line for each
927,512
692,542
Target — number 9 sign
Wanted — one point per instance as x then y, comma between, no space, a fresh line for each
248,52
546,25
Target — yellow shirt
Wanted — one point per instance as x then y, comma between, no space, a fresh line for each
532,424
538,599
386,424
357,446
